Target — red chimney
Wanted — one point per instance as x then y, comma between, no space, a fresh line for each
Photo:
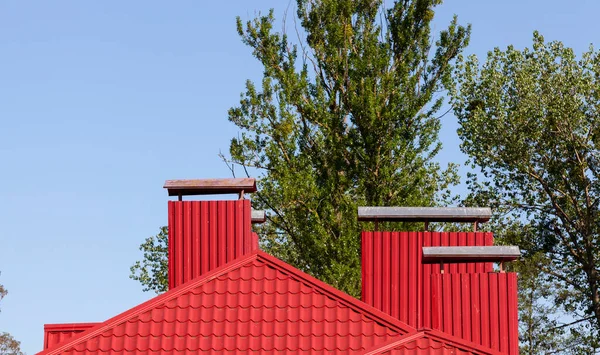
453,291
204,235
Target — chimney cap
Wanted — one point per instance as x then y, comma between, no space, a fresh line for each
258,216
459,254
425,214
188,187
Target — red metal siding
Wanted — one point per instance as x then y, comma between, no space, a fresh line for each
394,279
479,307
204,235
57,333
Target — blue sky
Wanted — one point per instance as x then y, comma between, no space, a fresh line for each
100,102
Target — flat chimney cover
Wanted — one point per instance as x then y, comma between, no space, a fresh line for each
189,187
458,254
425,214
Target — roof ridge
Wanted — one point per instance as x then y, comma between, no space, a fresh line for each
435,335
454,340
150,304
391,344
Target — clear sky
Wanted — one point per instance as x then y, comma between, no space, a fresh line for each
101,101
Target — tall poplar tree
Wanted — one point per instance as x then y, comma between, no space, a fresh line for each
347,113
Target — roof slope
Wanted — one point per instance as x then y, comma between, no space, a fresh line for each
431,342
255,303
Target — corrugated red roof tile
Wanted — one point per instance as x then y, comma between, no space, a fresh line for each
256,303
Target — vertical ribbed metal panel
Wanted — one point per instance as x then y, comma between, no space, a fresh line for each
254,245
394,278
478,307
57,333
56,337
204,235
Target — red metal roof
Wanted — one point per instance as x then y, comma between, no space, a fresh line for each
255,303
226,296
431,342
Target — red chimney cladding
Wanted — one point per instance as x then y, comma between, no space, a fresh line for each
464,299
394,277
204,235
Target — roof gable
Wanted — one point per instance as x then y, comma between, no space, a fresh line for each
255,303
430,342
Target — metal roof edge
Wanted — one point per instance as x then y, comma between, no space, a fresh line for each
394,342
57,327
456,341
434,335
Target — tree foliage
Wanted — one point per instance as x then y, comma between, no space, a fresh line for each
8,344
152,270
346,116
542,325
3,292
529,122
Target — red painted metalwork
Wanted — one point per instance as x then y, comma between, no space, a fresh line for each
204,235
395,280
57,333
470,254
225,295
468,300
430,342
210,186
255,304
478,307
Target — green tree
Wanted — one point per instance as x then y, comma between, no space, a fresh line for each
529,122
152,270
540,328
346,116
8,344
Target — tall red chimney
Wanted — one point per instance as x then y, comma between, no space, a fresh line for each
460,295
204,235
